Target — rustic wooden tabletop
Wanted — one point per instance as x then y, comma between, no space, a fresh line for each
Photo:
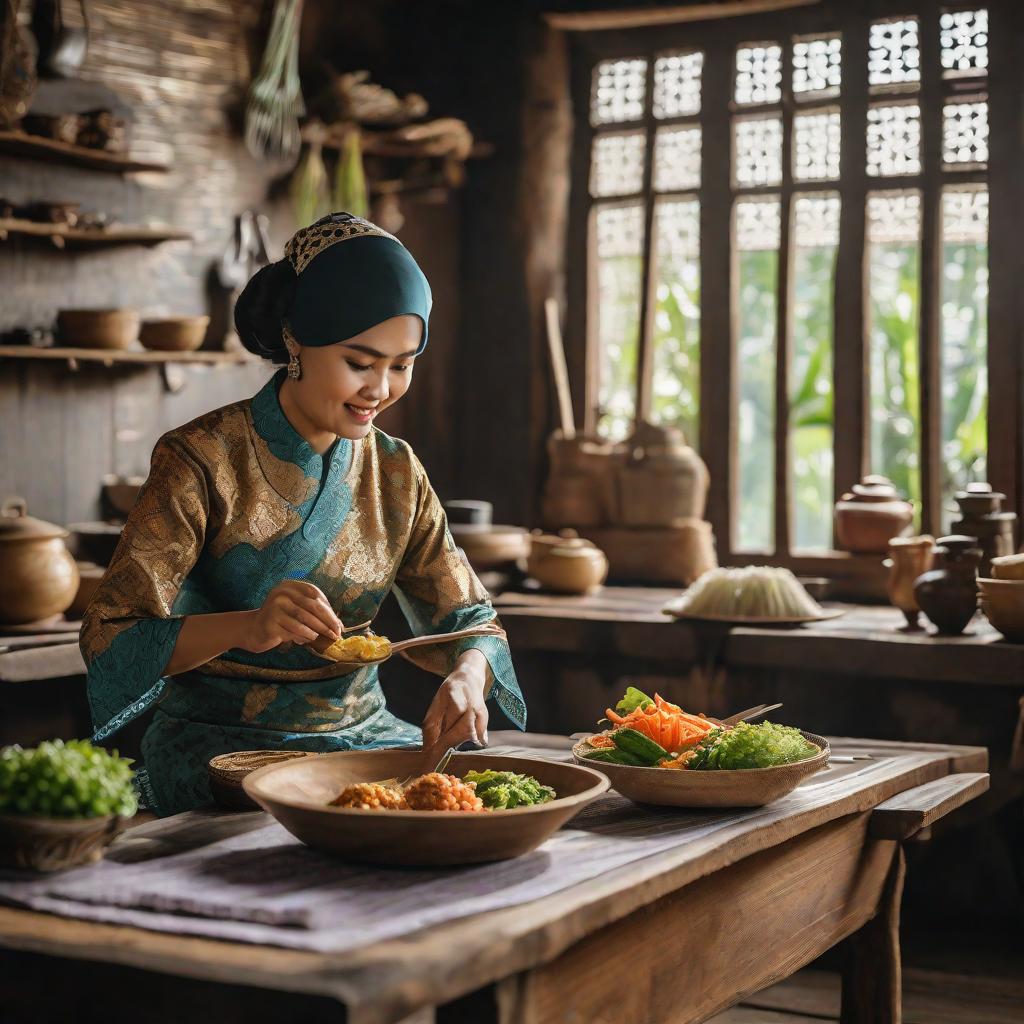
674,937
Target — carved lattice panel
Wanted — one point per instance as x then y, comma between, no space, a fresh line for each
965,215
894,217
677,228
617,164
619,231
894,55
758,224
816,146
677,84
963,36
618,91
677,159
757,151
758,74
894,140
817,66
816,221
965,133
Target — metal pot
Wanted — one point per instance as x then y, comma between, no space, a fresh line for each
38,576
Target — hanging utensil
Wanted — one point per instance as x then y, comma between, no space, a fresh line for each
62,48
559,368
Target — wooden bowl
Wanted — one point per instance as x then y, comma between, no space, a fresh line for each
1002,601
227,772
297,793
174,334
1008,567
98,328
749,787
55,844
488,547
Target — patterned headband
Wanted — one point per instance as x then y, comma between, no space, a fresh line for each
307,243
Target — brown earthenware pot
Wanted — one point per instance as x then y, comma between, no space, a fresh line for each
948,593
909,557
38,576
870,514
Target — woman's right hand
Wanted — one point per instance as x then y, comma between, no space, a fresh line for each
294,611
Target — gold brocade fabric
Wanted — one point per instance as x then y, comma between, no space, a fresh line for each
236,501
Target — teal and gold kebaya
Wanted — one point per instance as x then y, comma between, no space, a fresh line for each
237,501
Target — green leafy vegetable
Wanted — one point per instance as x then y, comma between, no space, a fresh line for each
633,699
65,780
751,746
501,791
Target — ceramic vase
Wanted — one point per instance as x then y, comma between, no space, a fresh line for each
948,593
909,558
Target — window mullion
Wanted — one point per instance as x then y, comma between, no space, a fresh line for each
648,278
930,375
850,378
717,381
782,344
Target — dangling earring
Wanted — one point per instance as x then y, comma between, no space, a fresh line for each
294,366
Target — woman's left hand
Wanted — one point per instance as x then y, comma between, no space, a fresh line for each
458,712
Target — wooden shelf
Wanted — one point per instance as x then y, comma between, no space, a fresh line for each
61,235
110,356
35,147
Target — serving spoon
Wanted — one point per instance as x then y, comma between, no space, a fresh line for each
323,642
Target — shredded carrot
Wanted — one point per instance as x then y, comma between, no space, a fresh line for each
665,723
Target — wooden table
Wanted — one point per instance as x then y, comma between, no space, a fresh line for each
674,937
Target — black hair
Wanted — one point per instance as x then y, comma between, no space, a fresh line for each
262,307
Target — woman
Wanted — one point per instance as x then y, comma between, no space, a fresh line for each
277,519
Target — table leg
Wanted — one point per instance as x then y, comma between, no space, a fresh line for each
872,984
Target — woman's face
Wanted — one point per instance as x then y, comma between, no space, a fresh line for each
345,386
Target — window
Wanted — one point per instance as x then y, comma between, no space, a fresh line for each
787,221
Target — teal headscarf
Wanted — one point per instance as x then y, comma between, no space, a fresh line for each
350,276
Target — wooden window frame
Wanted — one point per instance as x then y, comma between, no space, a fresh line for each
718,40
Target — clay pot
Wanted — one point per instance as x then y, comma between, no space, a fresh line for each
663,479
981,516
948,593
870,514
568,565
1008,567
909,558
174,334
38,576
98,328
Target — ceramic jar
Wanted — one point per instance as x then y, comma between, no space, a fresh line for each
948,593
909,557
870,514
38,576
568,565
982,516
662,479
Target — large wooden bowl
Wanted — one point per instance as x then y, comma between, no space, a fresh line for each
297,792
98,328
749,787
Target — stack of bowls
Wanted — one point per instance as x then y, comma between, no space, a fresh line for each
1002,598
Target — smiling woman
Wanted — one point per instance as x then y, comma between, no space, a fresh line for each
273,521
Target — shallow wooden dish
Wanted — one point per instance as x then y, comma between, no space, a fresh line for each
297,793
759,620
55,844
669,787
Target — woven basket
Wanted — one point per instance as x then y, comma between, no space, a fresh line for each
226,772
55,844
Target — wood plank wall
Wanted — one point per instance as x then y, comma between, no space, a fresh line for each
182,68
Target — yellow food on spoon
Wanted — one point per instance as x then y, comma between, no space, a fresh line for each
358,648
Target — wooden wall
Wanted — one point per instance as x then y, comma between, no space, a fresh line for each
181,67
